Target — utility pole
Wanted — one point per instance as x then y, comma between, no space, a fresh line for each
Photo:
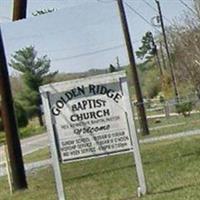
162,55
19,9
117,60
155,52
8,115
167,50
134,75
10,125
158,61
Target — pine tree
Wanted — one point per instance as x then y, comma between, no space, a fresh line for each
35,72
147,50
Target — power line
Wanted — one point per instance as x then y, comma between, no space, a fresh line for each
90,53
148,4
187,6
66,49
140,15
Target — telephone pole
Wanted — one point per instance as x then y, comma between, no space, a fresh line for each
134,75
10,125
117,60
8,113
162,55
19,9
155,52
167,50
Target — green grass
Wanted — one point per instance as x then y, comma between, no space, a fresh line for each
176,124
171,167
31,130
41,154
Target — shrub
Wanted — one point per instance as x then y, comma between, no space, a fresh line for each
31,130
21,115
151,83
184,108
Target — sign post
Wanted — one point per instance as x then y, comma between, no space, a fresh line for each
4,165
54,150
90,118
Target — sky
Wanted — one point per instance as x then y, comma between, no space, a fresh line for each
82,34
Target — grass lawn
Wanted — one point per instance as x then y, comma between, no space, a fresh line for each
172,125
41,154
171,167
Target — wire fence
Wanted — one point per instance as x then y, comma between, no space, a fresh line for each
171,116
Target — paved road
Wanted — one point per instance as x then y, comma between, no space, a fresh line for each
35,143
30,145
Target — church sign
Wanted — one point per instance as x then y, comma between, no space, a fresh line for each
91,117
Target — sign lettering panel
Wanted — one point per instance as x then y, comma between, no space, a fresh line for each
90,118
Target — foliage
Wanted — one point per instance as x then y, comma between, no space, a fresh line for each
184,108
151,83
161,99
42,12
167,86
148,48
31,130
184,42
146,65
16,84
112,68
21,115
25,132
35,72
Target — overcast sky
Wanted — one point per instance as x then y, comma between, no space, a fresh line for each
81,34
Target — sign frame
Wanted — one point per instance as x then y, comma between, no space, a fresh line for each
4,161
49,89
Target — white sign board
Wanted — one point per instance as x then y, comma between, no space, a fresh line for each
90,117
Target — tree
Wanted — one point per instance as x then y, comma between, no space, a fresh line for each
184,40
35,72
147,50
21,116
43,12
112,68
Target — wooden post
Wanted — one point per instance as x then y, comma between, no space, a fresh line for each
10,124
8,111
19,9
134,75
167,51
